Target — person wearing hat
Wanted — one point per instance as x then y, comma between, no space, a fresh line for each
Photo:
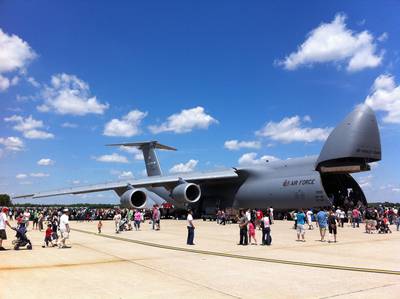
64,229
3,223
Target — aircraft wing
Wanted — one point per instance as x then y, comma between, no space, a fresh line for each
165,181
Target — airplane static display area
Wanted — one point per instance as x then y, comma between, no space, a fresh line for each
306,182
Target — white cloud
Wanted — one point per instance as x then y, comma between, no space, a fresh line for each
25,183
36,134
21,176
39,175
251,159
185,121
127,126
384,36
184,167
365,181
12,143
374,165
289,130
126,175
45,162
385,96
237,145
15,55
396,189
113,158
69,125
67,94
4,83
29,127
334,42
33,82
137,154
76,182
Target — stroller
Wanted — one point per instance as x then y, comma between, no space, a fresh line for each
383,227
22,240
123,225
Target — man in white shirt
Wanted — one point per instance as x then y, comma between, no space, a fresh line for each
248,215
64,229
3,223
190,227
117,220
271,214
266,229
309,219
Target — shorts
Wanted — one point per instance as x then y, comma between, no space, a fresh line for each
64,234
300,229
3,235
322,229
332,229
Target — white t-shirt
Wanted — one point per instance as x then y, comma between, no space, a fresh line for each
64,220
248,216
27,216
309,214
3,219
189,219
266,221
117,218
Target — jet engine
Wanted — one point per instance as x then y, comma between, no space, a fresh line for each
186,193
134,198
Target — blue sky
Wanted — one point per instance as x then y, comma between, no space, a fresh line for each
226,82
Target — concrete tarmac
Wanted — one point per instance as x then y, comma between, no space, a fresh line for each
154,264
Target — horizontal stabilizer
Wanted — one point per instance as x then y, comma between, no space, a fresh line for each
140,145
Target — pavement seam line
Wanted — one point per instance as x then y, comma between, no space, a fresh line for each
137,262
245,257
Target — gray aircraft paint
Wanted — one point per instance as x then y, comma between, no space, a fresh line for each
295,183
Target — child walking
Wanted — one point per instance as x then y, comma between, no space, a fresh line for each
99,226
47,237
252,233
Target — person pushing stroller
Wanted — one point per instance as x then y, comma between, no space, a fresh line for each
22,240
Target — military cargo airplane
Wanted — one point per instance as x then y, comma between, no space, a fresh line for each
316,181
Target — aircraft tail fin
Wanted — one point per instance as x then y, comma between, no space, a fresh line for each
150,157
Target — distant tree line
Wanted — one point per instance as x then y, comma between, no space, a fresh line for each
384,204
5,200
74,205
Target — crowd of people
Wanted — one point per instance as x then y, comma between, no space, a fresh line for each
55,221
124,219
376,220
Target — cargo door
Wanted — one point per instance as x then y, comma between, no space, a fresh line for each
353,144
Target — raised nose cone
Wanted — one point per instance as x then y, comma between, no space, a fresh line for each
355,141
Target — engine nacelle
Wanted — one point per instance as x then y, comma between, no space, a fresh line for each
134,198
186,193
